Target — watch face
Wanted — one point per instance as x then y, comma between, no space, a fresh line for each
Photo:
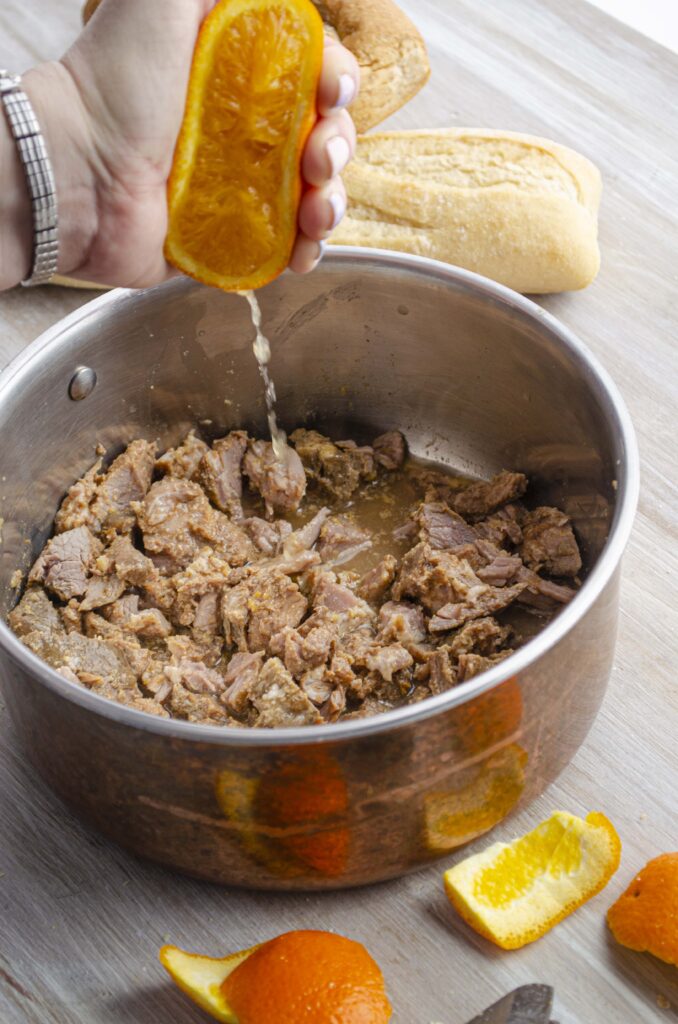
8,80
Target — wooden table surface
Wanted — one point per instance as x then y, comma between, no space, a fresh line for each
81,922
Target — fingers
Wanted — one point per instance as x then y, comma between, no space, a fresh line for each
330,146
321,209
306,254
339,79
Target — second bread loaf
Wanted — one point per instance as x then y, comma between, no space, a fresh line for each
517,208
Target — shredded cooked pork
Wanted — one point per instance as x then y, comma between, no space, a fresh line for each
217,585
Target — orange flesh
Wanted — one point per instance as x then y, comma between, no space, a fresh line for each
235,184
308,977
645,917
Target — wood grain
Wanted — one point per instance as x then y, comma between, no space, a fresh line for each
81,921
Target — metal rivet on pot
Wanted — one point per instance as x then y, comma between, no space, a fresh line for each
82,383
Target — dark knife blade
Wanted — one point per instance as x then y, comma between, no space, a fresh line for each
529,1004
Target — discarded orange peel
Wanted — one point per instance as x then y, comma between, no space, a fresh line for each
513,893
311,977
645,917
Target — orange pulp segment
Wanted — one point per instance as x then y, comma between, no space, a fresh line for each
645,917
513,893
235,184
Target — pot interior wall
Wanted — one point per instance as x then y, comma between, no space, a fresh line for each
361,345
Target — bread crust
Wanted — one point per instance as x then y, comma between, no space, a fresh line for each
517,208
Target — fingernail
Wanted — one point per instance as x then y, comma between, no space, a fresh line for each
339,153
346,91
321,252
338,204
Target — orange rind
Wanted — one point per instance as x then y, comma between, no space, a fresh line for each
645,917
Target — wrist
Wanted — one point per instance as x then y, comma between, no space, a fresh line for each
63,123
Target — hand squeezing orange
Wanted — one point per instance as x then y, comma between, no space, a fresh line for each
304,977
235,185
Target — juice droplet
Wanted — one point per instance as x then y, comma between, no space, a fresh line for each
262,354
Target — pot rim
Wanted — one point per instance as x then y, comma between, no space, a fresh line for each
602,572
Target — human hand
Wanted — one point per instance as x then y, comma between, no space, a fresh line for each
111,110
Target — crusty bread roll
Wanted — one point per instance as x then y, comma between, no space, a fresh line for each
516,208
389,49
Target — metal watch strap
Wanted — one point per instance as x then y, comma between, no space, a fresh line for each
39,177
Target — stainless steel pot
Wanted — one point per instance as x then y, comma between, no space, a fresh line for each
476,376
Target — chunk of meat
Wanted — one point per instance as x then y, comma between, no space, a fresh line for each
268,537
66,562
479,636
478,601
549,544
341,539
281,483
183,462
390,450
297,549
177,520
316,686
259,607
241,675
35,612
502,527
431,577
81,654
374,584
119,612
441,528
195,676
389,660
402,622
338,468
198,589
130,698
338,608
221,472
479,500
442,673
196,707
149,623
543,595
181,647
502,569
74,511
101,590
301,653
278,699
471,665
126,482
137,570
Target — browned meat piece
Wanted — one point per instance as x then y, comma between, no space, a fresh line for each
66,562
177,520
131,698
130,565
408,531
95,658
301,653
340,672
127,481
481,499
297,554
196,707
70,616
241,675
183,462
279,700
260,606
149,623
195,676
480,636
501,570
549,543
431,577
338,609
402,622
543,595
373,585
390,449
479,600
335,705
75,507
221,472
442,528
101,590
341,540
471,665
267,537
282,484
35,612
442,674
119,612
502,528
338,468
316,686
389,660
181,647
198,589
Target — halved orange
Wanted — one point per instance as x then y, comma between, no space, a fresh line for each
235,184
513,893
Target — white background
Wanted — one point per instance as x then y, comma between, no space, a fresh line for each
655,18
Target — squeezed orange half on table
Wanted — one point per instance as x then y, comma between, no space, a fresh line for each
235,184
512,893
310,977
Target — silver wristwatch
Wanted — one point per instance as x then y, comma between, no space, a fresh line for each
39,177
